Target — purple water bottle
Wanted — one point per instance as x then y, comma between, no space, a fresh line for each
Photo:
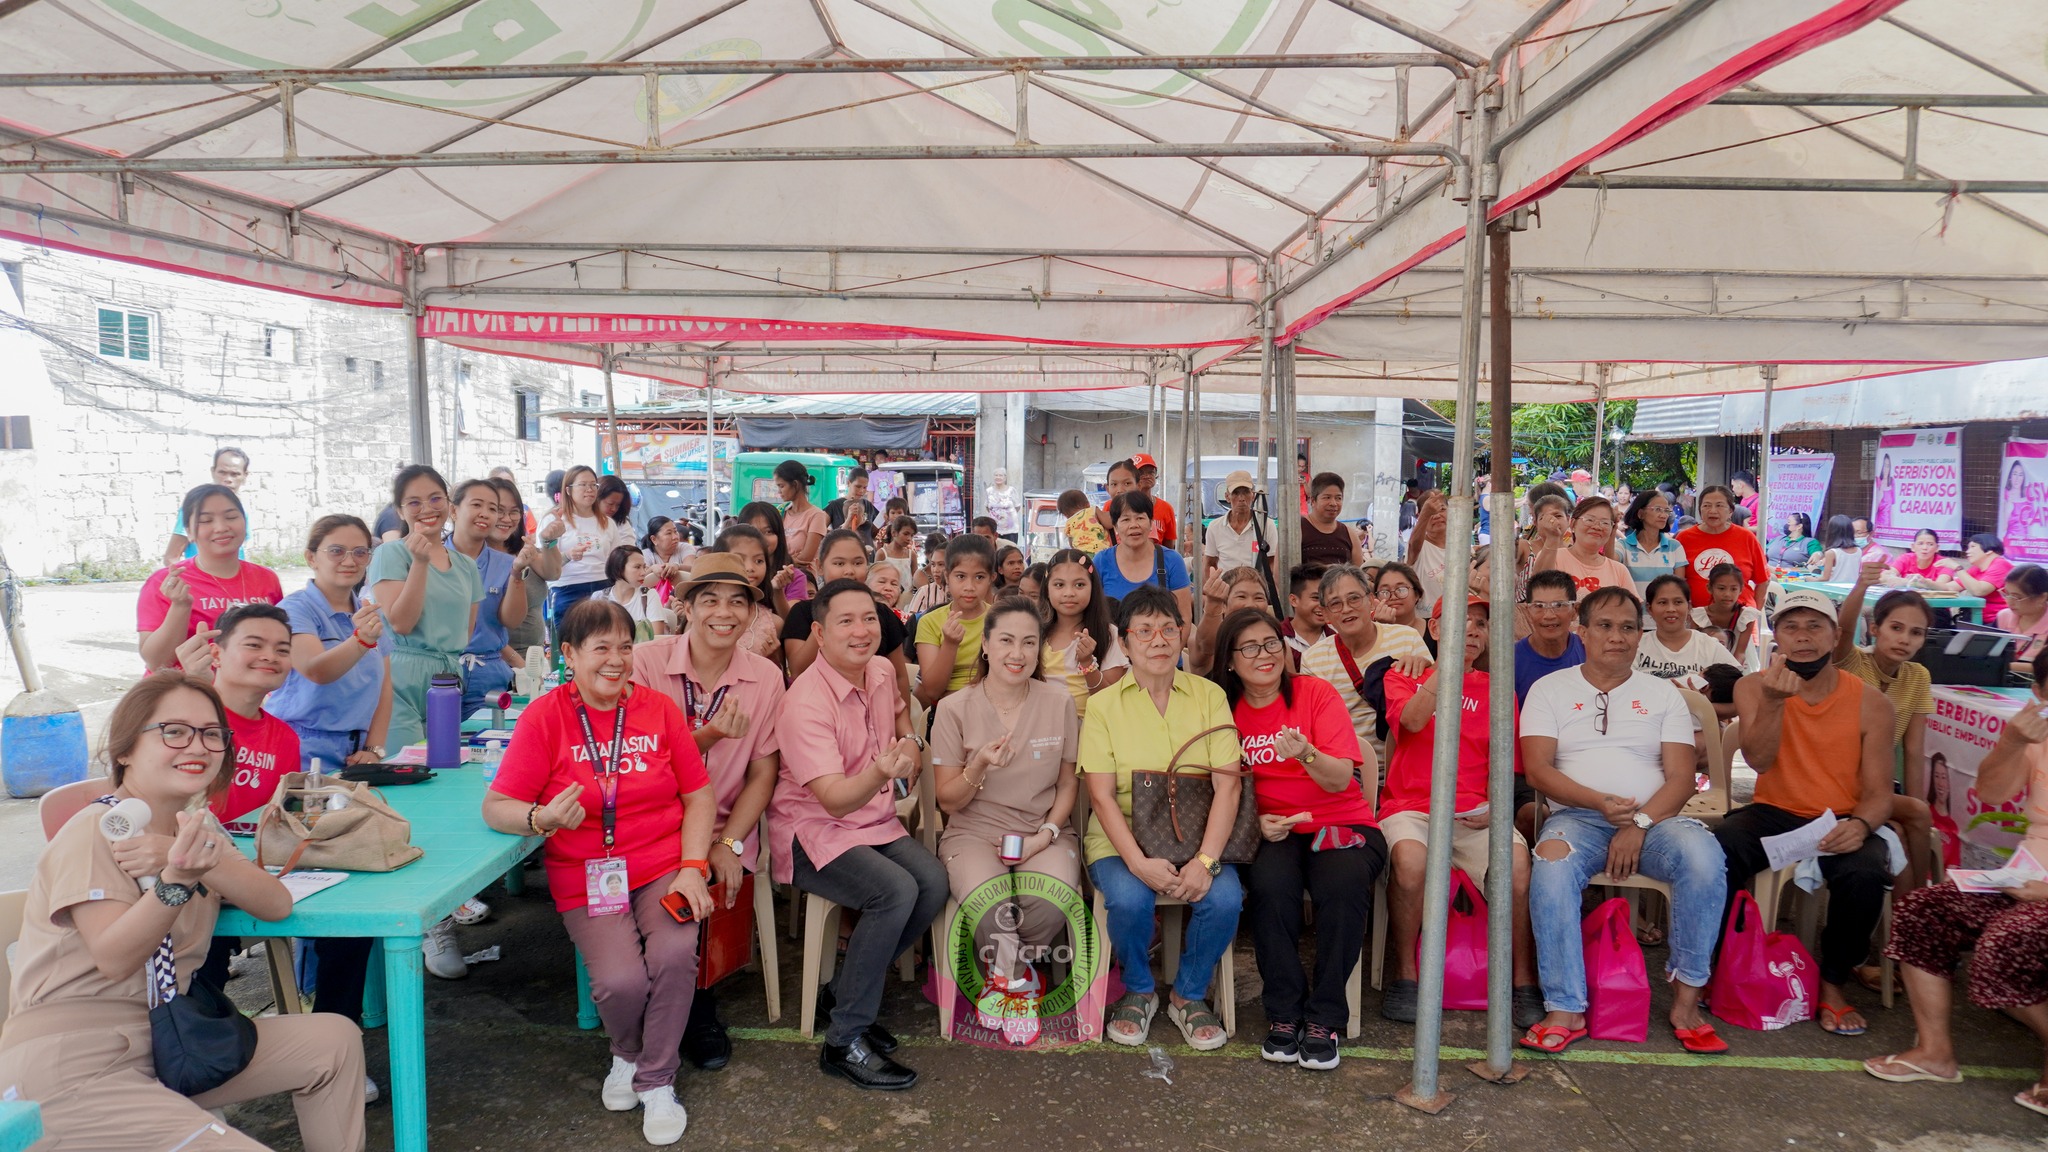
444,721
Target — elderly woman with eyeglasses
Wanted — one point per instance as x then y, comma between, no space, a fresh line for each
1137,725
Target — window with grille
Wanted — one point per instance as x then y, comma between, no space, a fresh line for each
14,434
280,343
526,415
126,335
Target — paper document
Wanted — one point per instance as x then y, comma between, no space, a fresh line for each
2016,872
304,884
1801,843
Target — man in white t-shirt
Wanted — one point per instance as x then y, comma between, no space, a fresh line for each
1233,540
1612,747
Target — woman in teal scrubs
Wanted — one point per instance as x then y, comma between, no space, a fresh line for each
429,596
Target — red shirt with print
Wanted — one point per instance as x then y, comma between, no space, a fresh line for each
265,749
1704,550
660,767
211,596
1284,787
1408,765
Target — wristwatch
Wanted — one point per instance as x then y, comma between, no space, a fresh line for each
1214,865
738,849
172,895
1643,820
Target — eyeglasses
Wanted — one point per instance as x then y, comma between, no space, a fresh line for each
1600,717
1394,592
1357,600
336,552
434,501
176,735
1550,605
1148,635
583,486
1268,646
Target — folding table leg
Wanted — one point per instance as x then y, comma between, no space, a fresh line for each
405,1008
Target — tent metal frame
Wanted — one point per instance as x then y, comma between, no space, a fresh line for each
100,185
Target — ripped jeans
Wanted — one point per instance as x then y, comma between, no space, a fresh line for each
1679,851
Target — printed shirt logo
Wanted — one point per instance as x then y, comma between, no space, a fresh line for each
1706,561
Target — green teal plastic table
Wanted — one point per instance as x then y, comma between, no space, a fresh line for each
21,1124
462,857
1970,608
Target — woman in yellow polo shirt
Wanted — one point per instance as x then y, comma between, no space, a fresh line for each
1137,725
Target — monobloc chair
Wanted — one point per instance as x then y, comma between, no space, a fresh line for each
1172,914
56,808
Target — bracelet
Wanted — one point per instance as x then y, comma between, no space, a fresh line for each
1867,829
358,636
976,784
530,825
1051,827
701,866
550,543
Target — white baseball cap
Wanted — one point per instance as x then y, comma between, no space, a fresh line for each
1805,598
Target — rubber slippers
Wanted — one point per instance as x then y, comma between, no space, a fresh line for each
1835,1014
1883,1067
1701,1039
1552,1038
2033,1099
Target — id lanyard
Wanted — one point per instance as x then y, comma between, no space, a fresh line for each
606,772
699,719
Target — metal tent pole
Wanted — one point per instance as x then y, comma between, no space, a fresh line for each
1288,496
1499,1064
1761,526
1266,287
417,401
1423,1092
1605,372
611,414
1194,516
1189,530
712,513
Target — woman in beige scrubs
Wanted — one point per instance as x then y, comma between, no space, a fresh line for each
77,1039
1004,749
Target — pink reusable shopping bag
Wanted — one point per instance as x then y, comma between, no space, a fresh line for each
1464,947
1763,980
1617,982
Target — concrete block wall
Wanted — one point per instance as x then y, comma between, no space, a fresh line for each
118,442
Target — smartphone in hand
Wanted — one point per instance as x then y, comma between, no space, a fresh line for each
676,906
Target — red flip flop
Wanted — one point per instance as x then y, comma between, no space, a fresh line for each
1540,1037
1701,1039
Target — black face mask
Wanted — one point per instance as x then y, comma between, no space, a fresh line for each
1807,669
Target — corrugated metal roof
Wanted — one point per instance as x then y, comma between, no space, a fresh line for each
928,404
1677,418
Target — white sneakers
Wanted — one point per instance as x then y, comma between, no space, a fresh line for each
618,1094
665,1119
370,1092
472,911
443,956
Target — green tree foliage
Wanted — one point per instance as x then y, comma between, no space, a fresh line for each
1557,436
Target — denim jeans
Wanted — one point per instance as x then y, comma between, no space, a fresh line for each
1128,904
899,888
1679,851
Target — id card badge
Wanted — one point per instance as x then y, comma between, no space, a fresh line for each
604,883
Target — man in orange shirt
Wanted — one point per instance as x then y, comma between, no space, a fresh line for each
1163,531
1820,741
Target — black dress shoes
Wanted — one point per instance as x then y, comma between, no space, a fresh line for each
708,1047
879,1038
860,1064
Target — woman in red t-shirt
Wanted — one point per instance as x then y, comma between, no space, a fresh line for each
1320,836
1714,541
611,776
187,598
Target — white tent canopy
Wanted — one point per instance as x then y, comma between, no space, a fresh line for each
496,167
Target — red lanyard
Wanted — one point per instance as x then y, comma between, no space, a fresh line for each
606,772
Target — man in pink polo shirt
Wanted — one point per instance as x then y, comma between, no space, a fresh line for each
846,744
730,698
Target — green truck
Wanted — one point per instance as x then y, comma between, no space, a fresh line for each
753,476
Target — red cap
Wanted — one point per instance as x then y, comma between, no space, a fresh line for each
1472,600
1143,460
